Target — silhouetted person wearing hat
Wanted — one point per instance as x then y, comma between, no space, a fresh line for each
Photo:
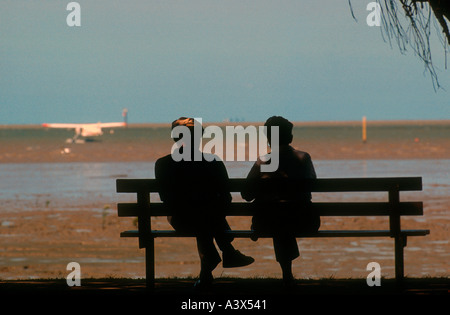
282,211
196,190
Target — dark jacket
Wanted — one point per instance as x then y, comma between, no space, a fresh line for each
280,208
196,191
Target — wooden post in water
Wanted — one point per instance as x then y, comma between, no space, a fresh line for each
364,129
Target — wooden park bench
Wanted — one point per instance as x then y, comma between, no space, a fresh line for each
392,208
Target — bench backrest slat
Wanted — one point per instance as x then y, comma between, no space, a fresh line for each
316,185
392,208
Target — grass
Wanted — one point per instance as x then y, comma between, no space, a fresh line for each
235,286
172,294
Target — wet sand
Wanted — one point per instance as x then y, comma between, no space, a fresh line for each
40,244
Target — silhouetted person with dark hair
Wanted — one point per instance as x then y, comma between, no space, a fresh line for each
196,190
282,212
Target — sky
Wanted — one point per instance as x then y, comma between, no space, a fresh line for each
306,60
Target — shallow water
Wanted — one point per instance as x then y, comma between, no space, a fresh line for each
69,185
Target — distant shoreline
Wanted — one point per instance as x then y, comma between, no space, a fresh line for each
296,123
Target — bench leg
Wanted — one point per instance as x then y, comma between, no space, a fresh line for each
150,264
400,243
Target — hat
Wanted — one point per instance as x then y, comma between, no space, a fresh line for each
191,124
183,121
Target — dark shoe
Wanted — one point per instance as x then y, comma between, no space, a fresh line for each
236,259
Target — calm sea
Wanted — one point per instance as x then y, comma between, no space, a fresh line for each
31,186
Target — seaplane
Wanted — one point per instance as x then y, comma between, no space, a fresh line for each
87,131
